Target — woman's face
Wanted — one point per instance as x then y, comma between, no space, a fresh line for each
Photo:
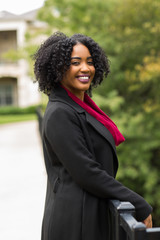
79,76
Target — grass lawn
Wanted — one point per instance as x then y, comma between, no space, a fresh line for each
17,118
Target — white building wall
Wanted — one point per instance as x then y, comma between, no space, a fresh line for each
27,91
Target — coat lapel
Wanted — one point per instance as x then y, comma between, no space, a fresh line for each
60,95
99,127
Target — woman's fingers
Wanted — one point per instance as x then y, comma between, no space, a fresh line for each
148,221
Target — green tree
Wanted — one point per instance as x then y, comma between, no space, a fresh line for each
135,29
73,16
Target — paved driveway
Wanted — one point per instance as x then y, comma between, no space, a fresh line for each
22,181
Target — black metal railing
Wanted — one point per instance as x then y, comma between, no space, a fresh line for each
40,119
124,226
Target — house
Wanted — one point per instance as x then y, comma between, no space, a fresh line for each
16,87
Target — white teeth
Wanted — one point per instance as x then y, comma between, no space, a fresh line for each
84,78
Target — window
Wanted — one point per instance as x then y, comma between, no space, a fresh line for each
6,95
8,41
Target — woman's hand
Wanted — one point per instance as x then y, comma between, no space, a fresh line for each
148,221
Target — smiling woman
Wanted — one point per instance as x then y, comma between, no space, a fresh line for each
59,54
79,143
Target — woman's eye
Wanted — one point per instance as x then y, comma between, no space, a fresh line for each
90,63
75,63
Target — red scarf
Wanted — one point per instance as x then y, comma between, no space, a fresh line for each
90,106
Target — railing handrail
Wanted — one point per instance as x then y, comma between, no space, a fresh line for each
124,225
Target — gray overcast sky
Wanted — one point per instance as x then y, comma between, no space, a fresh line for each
20,6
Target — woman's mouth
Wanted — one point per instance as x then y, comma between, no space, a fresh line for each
83,79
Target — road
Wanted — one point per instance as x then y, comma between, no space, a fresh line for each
22,181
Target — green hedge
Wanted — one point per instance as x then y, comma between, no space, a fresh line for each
18,111
17,118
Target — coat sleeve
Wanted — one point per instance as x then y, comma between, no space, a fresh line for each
64,133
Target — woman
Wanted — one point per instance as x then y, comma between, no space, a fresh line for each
79,143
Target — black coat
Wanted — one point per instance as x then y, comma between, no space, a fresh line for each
81,164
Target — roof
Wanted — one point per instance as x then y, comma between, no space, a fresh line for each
28,16
31,15
6,15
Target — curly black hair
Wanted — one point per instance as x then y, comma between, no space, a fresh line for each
53,59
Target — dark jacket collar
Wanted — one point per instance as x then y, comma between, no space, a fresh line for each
60,95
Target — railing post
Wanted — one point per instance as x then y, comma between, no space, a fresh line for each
134,230
139,230
117,208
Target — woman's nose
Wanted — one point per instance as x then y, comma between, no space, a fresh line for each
84,67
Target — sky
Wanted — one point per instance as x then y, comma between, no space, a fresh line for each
20,6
